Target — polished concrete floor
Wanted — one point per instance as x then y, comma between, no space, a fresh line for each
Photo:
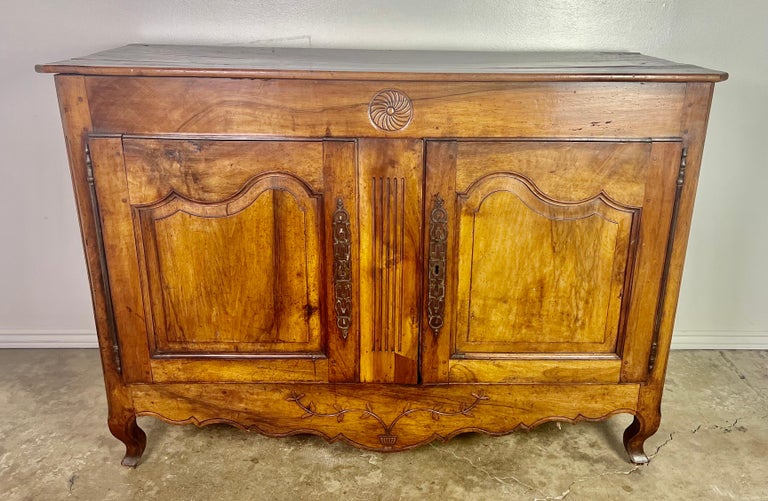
54,444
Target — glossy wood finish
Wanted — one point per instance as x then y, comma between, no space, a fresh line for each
75,117
382,417
339,108
200,214
437,242
261,209
541,271
390,183
559,264
693,129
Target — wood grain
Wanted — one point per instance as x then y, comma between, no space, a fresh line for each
539,269
657,211
272,222
538,276
390,232
340,165
121,252
694,125
293,108
583,170
201,213
275,231
368,411
242,369
536,203
75,118
586,370
210,171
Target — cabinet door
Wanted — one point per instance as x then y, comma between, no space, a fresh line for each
229,260
544,258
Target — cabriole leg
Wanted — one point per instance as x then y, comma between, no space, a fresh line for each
128,432
635,436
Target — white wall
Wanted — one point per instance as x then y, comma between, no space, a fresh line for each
43,291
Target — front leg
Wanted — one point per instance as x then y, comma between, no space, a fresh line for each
125,429
637,433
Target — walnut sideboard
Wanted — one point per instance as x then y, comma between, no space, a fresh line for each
382,247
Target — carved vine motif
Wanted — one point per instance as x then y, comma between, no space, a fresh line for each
387,439
438,249
342,268
390,110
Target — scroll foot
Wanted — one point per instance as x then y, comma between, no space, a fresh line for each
635,436
128,432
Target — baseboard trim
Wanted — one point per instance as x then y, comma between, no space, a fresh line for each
720,340
681,340
23,338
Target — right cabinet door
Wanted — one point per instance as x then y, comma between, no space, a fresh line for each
544,259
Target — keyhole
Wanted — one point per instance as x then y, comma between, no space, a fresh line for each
437,269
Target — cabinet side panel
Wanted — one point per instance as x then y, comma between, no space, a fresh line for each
76,120
121,255
693,128
390,233
698,99
654,229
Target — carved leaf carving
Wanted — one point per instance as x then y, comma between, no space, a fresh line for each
342,268
438,250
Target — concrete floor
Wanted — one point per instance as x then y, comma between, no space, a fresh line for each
54,444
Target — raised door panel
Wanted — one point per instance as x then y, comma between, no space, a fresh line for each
233,271
239,276
535,276
538,256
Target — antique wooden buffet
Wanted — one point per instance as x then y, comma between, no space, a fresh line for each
382,247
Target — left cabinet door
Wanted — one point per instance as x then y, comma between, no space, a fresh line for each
230,260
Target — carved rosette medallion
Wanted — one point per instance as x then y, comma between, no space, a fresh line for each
438,249
390,110
342,268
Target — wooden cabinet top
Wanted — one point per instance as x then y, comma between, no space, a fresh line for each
345,64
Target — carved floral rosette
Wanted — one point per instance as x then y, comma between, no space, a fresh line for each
390,110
